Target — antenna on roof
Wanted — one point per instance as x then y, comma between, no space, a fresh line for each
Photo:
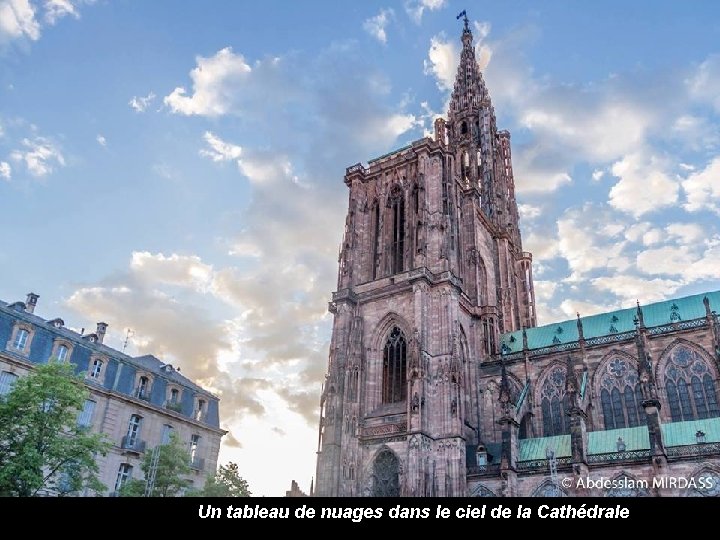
127,337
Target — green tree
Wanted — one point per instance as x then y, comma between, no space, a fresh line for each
42,447
225,483
173,463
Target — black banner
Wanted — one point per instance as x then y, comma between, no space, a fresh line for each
308,514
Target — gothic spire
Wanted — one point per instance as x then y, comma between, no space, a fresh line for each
469,92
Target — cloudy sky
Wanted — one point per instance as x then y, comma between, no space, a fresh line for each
177,170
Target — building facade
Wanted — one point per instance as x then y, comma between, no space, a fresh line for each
440,383
137,402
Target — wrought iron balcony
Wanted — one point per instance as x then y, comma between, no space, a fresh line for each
133,444
198,464
174,406
142,394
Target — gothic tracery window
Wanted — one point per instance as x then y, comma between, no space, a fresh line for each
386,468
552,403
689,386
620,395
395,368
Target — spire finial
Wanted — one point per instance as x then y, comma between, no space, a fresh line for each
640,318
463,14
581,334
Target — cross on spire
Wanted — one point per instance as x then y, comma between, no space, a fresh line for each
463,14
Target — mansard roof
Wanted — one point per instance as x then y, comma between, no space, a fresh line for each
612,322
147,362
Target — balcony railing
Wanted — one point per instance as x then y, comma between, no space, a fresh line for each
142,394
132,443
198,464
174,406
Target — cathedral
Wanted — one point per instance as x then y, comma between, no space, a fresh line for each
440,382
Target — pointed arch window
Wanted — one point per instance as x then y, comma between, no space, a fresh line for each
689,386
552,403
386,477
620,395
489,335
395,368
397,205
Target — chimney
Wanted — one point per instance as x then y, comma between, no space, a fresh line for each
101,329
31,302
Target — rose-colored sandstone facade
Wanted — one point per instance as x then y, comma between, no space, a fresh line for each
440,383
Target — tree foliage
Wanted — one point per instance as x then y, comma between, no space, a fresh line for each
42,447
225,483
173,463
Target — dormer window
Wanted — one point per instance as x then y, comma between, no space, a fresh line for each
173,399
143,387
200,409
62,353
96,369
57,323
20,339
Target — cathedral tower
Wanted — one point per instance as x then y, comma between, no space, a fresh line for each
431,271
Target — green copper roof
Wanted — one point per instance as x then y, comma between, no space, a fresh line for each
685,433
605,442
390,153
532,449
613,322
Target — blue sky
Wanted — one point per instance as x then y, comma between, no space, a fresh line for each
176,169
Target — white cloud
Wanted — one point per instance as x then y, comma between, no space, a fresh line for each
5,170
219,150
631,288
702,188
17,19
416,8
101,140
140,103
542,246
57,9
600,131
539,169
571,307
666,260
181,270
375,26
591,238
644,184
706,267
442,62
686,232
266,169
598,174
652,237
212,81
39,155
544,291
635,232
704,84
528,211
